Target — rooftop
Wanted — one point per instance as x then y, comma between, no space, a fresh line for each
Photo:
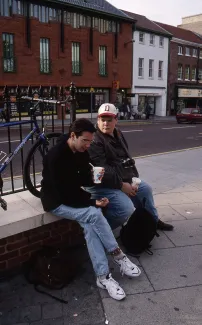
101,6
181,33
144,23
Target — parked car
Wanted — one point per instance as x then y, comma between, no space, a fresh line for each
190,115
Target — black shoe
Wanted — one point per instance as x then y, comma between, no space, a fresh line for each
164,226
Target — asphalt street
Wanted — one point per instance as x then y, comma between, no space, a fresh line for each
143,139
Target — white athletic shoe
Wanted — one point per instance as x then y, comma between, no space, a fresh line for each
127,267
113,287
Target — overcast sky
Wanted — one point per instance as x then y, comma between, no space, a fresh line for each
165,11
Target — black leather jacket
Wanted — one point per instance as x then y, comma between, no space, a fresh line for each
110,152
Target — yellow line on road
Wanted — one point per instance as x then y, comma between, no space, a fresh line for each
16,177
167,152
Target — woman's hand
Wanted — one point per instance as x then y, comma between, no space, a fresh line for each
102,203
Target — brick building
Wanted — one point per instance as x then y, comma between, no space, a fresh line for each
55,42
185,69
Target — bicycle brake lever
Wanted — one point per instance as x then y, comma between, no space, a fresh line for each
3,204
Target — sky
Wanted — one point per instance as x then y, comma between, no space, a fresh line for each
165,11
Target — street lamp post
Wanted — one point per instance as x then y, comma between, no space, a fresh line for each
72,90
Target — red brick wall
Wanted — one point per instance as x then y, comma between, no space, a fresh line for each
28,59
176,59
17,249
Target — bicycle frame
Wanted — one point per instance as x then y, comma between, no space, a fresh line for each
21,145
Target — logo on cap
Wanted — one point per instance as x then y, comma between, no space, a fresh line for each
107,108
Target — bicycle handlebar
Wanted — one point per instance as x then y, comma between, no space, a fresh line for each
50,101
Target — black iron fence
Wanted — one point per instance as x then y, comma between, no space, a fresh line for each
53,117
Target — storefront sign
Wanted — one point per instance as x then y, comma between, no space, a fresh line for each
194,93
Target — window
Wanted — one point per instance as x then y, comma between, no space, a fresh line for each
102,61
18,7
180,50
141,68
161,41
44,55
76,58
8,53
179,76
193,73
151,68
5,7
152,39
187,72
160,72
141,37
194,53
200,74
187,51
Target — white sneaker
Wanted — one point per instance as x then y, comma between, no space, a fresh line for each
113,287
127,267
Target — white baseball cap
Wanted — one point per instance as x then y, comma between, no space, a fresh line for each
107,109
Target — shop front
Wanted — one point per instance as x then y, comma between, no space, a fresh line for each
89,99
189,98
155,98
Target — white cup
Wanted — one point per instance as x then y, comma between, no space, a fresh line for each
97,174
136,181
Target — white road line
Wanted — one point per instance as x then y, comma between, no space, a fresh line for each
132,131
179,127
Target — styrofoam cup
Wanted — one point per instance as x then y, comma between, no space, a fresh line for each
136,181
97,174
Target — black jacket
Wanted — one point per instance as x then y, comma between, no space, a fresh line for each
109,152
64,172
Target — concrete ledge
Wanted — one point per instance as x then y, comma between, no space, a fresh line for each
24,212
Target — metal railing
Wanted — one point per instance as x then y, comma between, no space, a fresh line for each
51,116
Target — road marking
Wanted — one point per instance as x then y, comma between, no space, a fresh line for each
179,127
132,131
167,152
19,176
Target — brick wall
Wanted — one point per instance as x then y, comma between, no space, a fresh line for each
28,59
176,59
17,249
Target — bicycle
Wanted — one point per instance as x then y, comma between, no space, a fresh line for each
41,146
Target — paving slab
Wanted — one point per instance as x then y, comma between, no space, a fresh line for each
171,199
189,210
170,307
194,196
186,233
174,267
168,213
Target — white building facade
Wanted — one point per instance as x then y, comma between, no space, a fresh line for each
150,66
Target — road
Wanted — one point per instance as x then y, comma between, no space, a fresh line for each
142,139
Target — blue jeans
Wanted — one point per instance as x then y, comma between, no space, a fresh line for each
98,234
121,206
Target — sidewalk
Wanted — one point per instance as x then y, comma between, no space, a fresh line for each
169,291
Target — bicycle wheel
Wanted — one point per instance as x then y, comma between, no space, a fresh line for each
33,164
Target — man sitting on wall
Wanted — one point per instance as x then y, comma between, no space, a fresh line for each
109,150
66,170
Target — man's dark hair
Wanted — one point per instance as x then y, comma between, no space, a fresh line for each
81,125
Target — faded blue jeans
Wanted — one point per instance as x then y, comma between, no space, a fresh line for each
98,234
121,206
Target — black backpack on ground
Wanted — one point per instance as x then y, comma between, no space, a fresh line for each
53,268
139,231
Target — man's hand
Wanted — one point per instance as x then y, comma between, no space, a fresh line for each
102,203
129,189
